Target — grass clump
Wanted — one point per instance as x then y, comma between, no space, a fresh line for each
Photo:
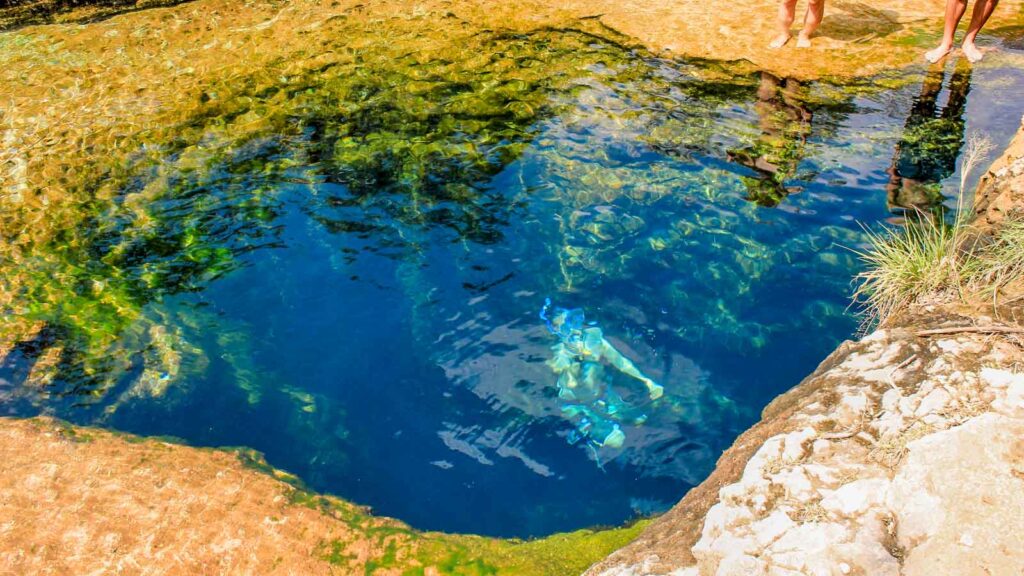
906,265
929,259
1002,261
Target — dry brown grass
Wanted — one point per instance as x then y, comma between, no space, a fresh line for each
810,511
890,450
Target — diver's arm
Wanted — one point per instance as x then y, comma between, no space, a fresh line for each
615,358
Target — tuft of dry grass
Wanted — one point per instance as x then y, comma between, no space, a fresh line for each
1002,261
890,450
903,266
929,259
811,511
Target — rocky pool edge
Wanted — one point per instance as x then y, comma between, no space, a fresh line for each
903,453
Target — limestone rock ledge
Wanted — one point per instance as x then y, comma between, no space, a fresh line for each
1001,191
902,454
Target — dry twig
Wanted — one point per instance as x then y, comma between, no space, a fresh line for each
974,329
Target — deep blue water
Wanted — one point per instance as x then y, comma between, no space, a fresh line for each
389,350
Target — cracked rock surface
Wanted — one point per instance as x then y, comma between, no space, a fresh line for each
902,454
1001,190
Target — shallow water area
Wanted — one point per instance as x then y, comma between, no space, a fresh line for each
345,270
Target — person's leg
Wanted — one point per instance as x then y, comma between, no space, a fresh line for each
582,418
982,10
787,12
592,381
606,433
593,425
812,19
954,12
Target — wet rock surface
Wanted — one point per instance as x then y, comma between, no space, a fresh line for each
855,39
77,502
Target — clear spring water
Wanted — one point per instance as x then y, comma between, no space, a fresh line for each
354,288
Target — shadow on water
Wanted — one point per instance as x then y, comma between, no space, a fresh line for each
344,269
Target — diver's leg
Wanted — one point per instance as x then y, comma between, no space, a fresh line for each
615,439
567,384
606,433
620,410
572,412
582,419
592,380
591,423
606,400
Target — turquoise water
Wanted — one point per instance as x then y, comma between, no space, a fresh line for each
355,290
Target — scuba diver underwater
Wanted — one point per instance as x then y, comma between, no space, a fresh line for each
591,403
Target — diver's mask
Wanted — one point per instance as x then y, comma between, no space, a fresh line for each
564,323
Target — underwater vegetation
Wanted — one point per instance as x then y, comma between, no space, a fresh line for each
394,546
337,255
412,140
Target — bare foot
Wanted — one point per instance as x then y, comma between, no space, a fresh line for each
972,52
936,54
803,41
779,41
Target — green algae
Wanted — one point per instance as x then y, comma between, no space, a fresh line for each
397,547
412,126
415,553
178,212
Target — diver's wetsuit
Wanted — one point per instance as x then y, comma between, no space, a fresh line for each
591,403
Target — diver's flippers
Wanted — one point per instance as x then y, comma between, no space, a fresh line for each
615,439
